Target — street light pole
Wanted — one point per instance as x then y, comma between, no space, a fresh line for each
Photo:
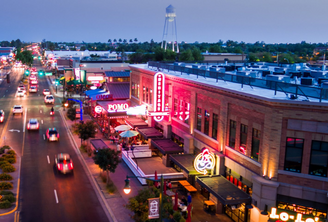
127,190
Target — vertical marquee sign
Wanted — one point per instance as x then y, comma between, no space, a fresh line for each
159,98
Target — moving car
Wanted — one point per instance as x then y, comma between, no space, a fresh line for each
34,81
2,116
33,89
49,99
46,92
33,124
18,109
64,163
33,77
21,88
20,93
52,134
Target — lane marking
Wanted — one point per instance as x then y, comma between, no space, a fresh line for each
16,216
44,137
42,121
48,159
56,196
40,110
24,126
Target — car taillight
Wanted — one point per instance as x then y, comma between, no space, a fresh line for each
37,125
28,126
70,166
59,166
58,135
1,118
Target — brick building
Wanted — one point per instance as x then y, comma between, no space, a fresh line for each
274,149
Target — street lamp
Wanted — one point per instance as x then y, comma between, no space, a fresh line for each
65,105
127,190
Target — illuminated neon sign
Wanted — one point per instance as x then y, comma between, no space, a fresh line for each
284,216
159,98
121,107
98,109
204,161
95,78
101,97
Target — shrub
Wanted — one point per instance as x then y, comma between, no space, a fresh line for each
6,192
83,148
6,156
11,152
2,158
182,220
9,198
89,150
5,204
3,149
8,168
5,176
6,186
110,188
4,163
11,160
177,216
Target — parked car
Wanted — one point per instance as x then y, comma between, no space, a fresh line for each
64,163
18,109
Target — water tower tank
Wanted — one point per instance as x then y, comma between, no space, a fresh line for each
170,13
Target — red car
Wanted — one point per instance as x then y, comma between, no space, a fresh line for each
2,116
64,163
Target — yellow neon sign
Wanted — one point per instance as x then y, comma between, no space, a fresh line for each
284,216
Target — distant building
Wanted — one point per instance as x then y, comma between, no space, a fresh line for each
221,57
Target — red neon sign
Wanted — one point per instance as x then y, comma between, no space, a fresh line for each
98,109
159,94
117,107
95,78
100,97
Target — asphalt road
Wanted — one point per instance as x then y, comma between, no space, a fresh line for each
45,194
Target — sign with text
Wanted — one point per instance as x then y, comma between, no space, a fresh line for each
204,161
104,97
98,109
119,107
284,215
159,98
153,208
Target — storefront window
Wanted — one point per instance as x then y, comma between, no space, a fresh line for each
207,122
147,96
175,107
243,138
186,109
232,134
236,212
255,144
215,126
144,94
295,208
166,103
199,119
294,154
132,89
138,92
319,158
150,96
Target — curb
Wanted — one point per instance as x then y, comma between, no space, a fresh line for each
104,204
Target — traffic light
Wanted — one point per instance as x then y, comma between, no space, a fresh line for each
27,72
39,58
40,72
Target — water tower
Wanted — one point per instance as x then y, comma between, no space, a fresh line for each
170,29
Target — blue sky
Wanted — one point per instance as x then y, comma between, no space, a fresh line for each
279,21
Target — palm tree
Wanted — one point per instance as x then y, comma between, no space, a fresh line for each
119,40
109,40
130,40
135,40
125,41
115,40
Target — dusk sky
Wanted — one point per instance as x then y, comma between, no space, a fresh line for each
279,21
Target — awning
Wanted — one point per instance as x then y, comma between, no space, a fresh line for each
185,162
149,132
166,146
136,122
94,92
94,96
224,190
117,74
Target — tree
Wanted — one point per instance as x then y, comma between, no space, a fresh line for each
139,204
109,40
125,41
115,40
119,40
85,131
135,40
187,55
130,40
51,46
71,113
107,160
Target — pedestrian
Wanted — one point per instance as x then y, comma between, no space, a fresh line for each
169,184
189,198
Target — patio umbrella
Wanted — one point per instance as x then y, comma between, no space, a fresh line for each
122,128
164,188
175,207
129,133
189,209
156,178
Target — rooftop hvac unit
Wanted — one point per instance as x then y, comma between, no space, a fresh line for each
307,74
203,68
212,69
265,73
195,66
307,81
321,80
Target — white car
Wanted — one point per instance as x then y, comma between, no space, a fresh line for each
33,124
20,93
33,89
49,99
46,92
18,109
21,88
